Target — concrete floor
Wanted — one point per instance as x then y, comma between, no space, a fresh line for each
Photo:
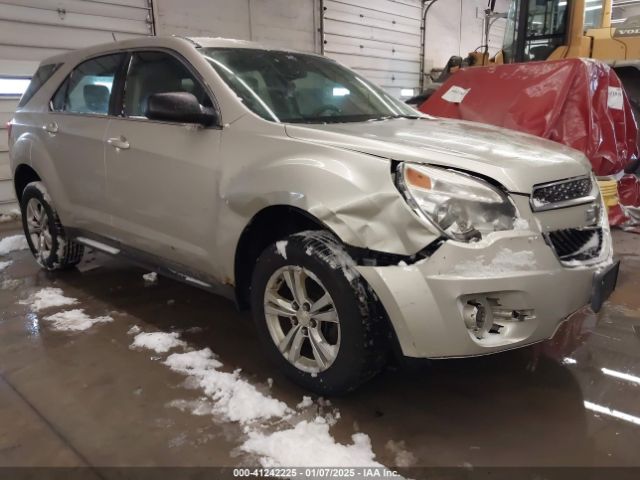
69,399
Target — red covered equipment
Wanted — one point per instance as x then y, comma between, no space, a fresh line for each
577,102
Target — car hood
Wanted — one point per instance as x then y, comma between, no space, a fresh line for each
516,160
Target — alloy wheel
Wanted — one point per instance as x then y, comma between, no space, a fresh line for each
302,318
38,226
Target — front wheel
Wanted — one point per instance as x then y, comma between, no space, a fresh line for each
44,231
315,314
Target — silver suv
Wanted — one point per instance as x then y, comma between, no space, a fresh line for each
352,226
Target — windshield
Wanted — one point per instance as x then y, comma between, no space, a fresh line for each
298,88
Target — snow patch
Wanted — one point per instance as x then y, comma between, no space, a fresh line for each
233,398
193,362
281,247
134,330
10,284
151,277
201,406
13,243
75,320
10,217
48,297
505,261
309,444
333,253
521,224
306,402
159,342
4,265
62,245
402,456
592,245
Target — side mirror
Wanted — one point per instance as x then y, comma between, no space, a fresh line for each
179,107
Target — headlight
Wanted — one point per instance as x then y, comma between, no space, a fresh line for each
462,207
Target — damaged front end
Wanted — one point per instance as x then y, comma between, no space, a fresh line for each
506,272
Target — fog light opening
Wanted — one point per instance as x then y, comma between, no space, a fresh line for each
478,317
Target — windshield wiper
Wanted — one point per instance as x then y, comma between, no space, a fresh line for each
390,117
410,117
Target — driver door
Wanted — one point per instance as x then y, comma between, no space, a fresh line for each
162,177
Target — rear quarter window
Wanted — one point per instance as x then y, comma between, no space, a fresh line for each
44,73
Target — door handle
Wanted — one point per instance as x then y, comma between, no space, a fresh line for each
119,143
51,128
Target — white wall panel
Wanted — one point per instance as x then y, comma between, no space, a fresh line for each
455,27
31,30
378,38
278,23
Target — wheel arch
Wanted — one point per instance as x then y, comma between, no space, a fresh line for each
266,227
24,174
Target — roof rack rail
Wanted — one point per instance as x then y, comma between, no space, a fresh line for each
188,39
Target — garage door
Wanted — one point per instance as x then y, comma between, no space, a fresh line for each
378,38
31,30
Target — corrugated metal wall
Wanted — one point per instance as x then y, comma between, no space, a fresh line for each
378,38
31,30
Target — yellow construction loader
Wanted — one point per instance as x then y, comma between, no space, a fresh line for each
555,29
539,30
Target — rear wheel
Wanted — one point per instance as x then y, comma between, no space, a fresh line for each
315,314
44,232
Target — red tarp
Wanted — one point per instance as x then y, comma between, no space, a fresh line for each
577,102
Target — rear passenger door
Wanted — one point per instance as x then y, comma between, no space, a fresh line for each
74,133
162,176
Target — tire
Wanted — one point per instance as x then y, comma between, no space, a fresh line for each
352,350
45,234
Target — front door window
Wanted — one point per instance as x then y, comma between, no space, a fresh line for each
158,72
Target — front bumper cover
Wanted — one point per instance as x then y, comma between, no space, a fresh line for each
514,271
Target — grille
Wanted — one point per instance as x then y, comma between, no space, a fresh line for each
574,244
560,194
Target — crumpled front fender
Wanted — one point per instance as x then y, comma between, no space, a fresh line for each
351,193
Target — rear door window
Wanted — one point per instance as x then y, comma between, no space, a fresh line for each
88,88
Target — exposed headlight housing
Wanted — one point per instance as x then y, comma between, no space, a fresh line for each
460,206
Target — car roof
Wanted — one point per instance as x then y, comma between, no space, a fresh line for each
225,43
171,42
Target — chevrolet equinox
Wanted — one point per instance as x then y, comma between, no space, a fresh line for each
350,224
